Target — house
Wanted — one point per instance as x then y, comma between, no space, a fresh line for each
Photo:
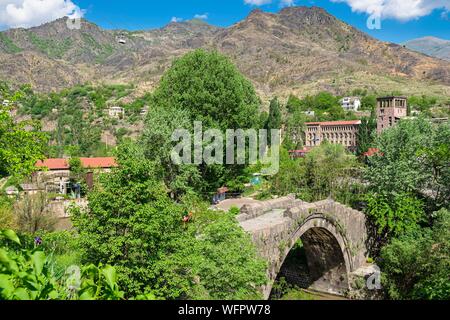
55,174
116,112
335,132
351,103
390,110
6,103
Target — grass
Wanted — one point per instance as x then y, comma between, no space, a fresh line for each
298,294
9,45
53,48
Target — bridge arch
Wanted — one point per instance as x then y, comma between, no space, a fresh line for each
334,238
327,252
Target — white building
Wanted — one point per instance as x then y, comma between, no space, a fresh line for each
6,103
116,112
351,103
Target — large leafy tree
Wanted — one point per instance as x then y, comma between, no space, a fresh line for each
130,220
21,143
201,86
415,266
132,223
413,159
211,88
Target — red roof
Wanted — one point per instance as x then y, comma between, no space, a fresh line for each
372,152
63,164
54,164
334,123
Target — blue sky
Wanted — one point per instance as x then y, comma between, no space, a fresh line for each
402,19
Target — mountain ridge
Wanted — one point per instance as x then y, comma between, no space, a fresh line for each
431,46
299,50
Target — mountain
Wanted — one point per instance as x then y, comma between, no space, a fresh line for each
299,50
431,46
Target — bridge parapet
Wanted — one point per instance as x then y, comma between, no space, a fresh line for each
254,210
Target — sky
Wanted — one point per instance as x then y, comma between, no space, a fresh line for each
390,20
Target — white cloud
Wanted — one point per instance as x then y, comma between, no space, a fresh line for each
30,13
283,3
397,9
257,2
201,16
175,19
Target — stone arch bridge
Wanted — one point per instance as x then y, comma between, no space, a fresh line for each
333,236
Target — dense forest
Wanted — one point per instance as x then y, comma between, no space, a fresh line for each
148,231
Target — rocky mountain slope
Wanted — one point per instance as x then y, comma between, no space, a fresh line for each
431,46
299,50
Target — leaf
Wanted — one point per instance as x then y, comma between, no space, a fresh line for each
6,286
10,264
38,259
11,235
109,273
22,294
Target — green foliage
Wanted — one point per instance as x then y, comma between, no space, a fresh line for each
413,159
52,48
211,89
416,265
201,86
21,144
274,119
234,211
366,134
214,259
295,126
422,103
131,223
80,117
394,215
324,172
8,44
28,274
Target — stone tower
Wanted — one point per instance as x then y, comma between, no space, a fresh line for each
389,111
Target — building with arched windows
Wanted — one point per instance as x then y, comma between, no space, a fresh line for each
335,132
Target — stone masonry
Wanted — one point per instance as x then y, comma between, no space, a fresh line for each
333,235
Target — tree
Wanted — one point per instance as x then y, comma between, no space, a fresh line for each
366,134
22,144
130,220
413,159
200,86
160,124
33,214
221,264
325,171
211,89
293,104
274,119
415,266
394,215
295,125
132,223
